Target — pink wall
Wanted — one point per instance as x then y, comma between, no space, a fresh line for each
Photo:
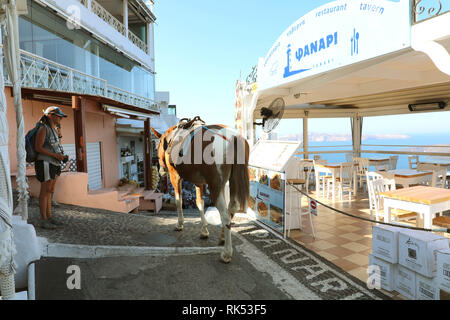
100,127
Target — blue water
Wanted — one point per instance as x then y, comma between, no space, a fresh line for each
414,140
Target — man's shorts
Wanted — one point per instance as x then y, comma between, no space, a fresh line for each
46,171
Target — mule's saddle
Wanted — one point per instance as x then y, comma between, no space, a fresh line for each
178,138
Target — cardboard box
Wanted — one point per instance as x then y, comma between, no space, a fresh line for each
385,242
386,272
417,250
443,269
405,281
426,288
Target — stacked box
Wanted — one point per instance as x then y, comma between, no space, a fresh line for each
426,288
443,272
385,243
386,272
405,281
417,250
414,263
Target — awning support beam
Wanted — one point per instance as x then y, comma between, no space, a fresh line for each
148,174
305,136
79,113
356,124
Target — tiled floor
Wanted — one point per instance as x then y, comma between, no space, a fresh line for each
343,240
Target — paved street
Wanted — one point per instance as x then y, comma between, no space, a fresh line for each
126,256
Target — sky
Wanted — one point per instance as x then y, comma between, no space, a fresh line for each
203,46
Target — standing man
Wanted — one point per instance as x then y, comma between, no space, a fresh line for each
48,163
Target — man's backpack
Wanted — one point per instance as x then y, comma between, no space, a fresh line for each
30,138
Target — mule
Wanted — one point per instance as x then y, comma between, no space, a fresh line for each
209,155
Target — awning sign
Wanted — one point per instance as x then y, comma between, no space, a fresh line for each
334,35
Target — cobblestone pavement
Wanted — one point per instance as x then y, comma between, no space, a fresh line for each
87,226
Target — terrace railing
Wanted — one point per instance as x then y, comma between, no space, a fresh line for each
41,73
104,14
422,10
441,152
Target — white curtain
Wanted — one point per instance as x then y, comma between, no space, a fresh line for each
12,56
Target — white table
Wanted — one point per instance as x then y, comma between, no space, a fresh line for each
406,177
426,201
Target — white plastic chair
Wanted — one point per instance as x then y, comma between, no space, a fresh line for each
413,161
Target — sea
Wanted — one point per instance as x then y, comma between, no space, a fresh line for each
406,145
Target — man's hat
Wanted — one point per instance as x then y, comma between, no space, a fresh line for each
54,110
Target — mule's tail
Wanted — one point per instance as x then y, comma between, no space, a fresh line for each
239,179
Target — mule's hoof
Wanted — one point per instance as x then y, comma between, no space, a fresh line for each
225,257
204,236
221,242
177,228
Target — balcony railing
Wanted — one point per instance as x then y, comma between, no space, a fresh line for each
40,73
137,42
426,9
104,14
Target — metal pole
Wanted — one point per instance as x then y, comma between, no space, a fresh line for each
305,136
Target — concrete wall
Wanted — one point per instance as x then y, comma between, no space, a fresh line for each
99,127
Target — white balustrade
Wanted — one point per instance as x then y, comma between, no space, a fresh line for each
41,73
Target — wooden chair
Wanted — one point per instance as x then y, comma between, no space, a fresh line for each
421,166
321,175
393,162
303,179
344,182
375,188
298,211
413,161
349,157
439,177
303,174
363,167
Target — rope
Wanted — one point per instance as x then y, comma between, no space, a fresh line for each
5,217
445,230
